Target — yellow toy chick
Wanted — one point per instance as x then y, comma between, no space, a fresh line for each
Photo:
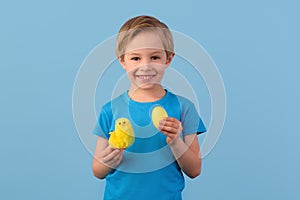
123,135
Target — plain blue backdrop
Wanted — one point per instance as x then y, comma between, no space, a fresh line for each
255,45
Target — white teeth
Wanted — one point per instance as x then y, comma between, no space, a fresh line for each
146,77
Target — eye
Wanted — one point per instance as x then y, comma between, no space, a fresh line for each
135,58
155,57
120,123
124,122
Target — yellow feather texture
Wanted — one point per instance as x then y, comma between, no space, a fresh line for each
123,135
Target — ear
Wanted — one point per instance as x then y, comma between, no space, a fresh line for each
122,62
169,60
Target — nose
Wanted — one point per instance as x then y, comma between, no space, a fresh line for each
145,61
145,65
145,68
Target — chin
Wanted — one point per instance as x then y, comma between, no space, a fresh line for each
147,86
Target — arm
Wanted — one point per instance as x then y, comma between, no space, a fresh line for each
186,151
105,158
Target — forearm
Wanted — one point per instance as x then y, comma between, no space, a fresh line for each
105,158
188,160
100,170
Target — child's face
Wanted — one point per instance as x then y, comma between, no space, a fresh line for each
145,60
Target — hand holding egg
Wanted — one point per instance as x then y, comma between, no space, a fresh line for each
169,126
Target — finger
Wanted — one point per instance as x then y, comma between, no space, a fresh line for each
115,161
169,135
171,119
106,151
173,127
169,129
111,155
170,124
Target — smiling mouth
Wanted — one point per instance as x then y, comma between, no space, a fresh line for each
145,77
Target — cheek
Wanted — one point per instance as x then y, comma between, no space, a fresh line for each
161,68
130,71
129,67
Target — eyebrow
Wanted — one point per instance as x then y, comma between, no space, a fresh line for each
155,52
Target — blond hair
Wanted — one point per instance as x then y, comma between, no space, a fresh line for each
141,24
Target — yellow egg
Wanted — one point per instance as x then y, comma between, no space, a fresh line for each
158,113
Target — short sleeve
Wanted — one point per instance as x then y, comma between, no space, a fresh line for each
103,125
190,119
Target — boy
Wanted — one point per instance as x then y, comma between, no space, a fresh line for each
145,49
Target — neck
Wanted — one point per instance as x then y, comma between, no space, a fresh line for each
147,95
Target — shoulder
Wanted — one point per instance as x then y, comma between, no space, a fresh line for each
183,101
108,106
189,116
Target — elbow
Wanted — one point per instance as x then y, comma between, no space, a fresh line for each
194,174
97,175
96,172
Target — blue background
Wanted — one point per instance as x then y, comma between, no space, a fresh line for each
255,45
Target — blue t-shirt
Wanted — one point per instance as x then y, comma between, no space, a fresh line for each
148,169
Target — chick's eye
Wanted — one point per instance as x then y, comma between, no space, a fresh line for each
120,123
